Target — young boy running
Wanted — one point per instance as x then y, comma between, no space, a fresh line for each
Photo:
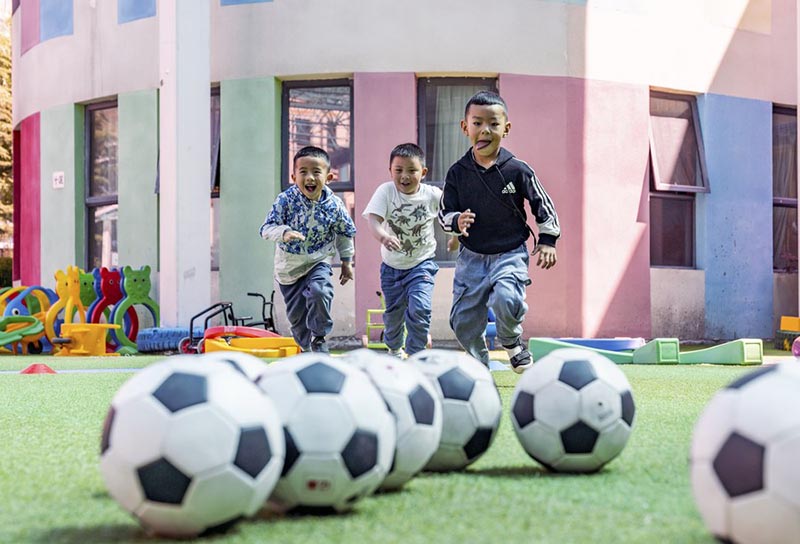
309,223
483,201
401,217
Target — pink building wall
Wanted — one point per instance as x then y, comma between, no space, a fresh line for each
587,142
385,113
30,24
26,209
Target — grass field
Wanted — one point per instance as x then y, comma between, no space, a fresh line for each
51,490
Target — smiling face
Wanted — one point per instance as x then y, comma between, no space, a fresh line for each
311,174
486,126
407,173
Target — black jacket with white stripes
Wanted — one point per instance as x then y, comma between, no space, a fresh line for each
492,194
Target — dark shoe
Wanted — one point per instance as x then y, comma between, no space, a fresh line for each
319,345
522,360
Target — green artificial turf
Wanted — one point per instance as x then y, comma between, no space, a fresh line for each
51,489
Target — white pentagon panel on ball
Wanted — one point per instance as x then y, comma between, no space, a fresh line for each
121,480
600,405
169,521
459,422
281,385
547,371
314,480
486,404
768,406
610,373
558,405
146,380
781,473
321,423
447,457
239,396
714,425
611,441
547,440
138,429
710,497
222,496
361,396
187,443
763,518
249,366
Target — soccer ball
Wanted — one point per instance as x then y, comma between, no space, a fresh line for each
470,404
248,365
417,409
339,432
744,455
573,410
190,446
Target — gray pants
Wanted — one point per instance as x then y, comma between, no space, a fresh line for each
489,281
308,305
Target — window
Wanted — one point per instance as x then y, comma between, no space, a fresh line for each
440,106
677,174
319,113
784,189
102,131
215,178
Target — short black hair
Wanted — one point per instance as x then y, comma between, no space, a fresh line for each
486,98
409,151
312,151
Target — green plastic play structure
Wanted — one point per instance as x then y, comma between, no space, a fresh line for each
743,351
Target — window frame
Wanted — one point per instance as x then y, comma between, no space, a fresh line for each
684,197
92,202
785,202
286,160
659,183
429,82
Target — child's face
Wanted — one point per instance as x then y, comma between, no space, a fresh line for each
407,172
311,174
486,126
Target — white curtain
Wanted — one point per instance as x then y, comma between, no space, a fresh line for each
449,143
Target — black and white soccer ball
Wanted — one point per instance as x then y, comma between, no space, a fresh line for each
573,410
471,406
339,432
190,446
246,364
744,458
416,406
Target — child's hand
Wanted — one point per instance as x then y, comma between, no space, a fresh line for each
465,221
347,272
391,243
452,243
289,235
547,256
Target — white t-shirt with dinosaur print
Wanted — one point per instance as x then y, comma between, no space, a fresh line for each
410,218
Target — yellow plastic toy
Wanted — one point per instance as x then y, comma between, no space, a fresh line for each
78,339
273,346
68,289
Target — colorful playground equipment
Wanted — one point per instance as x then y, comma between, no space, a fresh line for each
68,289
234,335
84,339
107,287
744,351
373,339
788,332
136,286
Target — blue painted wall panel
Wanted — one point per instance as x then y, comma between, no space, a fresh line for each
235,2
55,18
131,10
735,244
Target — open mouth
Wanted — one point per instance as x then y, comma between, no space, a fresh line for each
310,187
480,144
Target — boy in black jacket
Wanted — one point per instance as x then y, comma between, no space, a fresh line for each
482,203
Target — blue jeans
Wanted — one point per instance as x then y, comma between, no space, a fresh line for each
308,305
494,281
408,296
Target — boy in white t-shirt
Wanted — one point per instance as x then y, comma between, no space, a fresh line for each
401,216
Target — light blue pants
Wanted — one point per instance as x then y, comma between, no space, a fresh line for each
408,295
489,281
308,305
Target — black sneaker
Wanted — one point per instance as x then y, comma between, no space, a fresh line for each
522,361
319,345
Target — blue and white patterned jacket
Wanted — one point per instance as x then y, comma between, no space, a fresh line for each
325,223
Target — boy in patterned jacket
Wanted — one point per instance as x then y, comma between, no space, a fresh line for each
401,216
308,223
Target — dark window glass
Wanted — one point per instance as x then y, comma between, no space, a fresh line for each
102,130
784,189
671,230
